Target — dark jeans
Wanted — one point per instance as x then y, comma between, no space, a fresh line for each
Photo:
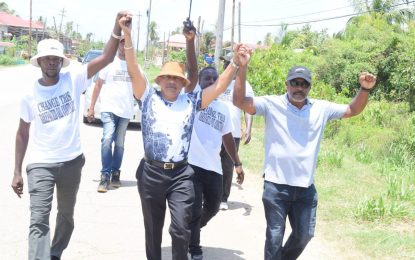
42,179
155,186
208,193
300,204
227,169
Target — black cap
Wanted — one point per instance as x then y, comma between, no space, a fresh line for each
299,72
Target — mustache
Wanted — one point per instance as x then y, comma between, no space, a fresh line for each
299,92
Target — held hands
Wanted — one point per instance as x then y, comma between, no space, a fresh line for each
189,31
17,185
125,23
240,174
367,80
242,54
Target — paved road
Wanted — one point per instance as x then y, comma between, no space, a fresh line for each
110,226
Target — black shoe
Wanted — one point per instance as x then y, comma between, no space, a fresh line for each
52,257
115,180
103,184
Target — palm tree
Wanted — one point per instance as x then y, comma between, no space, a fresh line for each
387,8
5,8
208,38
154,37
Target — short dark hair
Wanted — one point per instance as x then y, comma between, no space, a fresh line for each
205,69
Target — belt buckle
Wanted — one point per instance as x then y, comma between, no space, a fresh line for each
168,166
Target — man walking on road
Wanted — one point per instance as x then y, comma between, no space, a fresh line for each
53,105
212,127
117,108
294,127
235,112
167,123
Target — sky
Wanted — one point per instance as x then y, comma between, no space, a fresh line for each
98,16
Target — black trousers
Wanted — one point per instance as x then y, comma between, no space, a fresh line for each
227,169
208,194
156,186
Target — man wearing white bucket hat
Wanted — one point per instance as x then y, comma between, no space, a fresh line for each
56,157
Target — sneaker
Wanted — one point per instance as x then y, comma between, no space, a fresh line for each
197,257
103,184
115,179
223,206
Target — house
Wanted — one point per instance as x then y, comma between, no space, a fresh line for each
176,42
12,26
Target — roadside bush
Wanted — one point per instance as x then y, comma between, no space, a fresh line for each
7,60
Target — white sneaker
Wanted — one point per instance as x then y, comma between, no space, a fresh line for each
223,206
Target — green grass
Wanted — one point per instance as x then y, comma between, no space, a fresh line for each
365,179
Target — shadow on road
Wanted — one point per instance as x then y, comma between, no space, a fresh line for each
233,205
210,253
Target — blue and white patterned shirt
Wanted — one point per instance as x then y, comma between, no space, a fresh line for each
167,126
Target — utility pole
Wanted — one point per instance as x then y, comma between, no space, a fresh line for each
62,14
164,48
138,30
239,22
30,31
148,37
233,25
198,37
219,31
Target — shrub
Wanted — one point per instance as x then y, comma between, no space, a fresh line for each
7,60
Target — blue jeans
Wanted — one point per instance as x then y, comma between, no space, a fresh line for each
114,128
300,204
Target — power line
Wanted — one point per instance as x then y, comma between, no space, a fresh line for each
323,19
306,14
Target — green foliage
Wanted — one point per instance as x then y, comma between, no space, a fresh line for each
7,60
330,159
269,68
372,42
179,56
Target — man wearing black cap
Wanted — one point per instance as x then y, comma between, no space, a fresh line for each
294,126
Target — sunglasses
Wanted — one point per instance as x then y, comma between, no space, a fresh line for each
297,83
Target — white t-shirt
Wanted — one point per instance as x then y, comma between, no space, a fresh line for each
117,94
292,137
167,126
235,112
210,125
54,111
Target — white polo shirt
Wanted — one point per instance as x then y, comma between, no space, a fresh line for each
292,137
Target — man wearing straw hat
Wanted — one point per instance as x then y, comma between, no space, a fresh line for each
56,158
167,122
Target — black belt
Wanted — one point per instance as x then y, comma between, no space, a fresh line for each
166,165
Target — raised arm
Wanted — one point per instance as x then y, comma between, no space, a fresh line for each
239,92
241,57
110,48
22,140
230,147
367,82
189,32
138,80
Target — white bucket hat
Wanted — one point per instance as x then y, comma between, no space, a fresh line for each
49,47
